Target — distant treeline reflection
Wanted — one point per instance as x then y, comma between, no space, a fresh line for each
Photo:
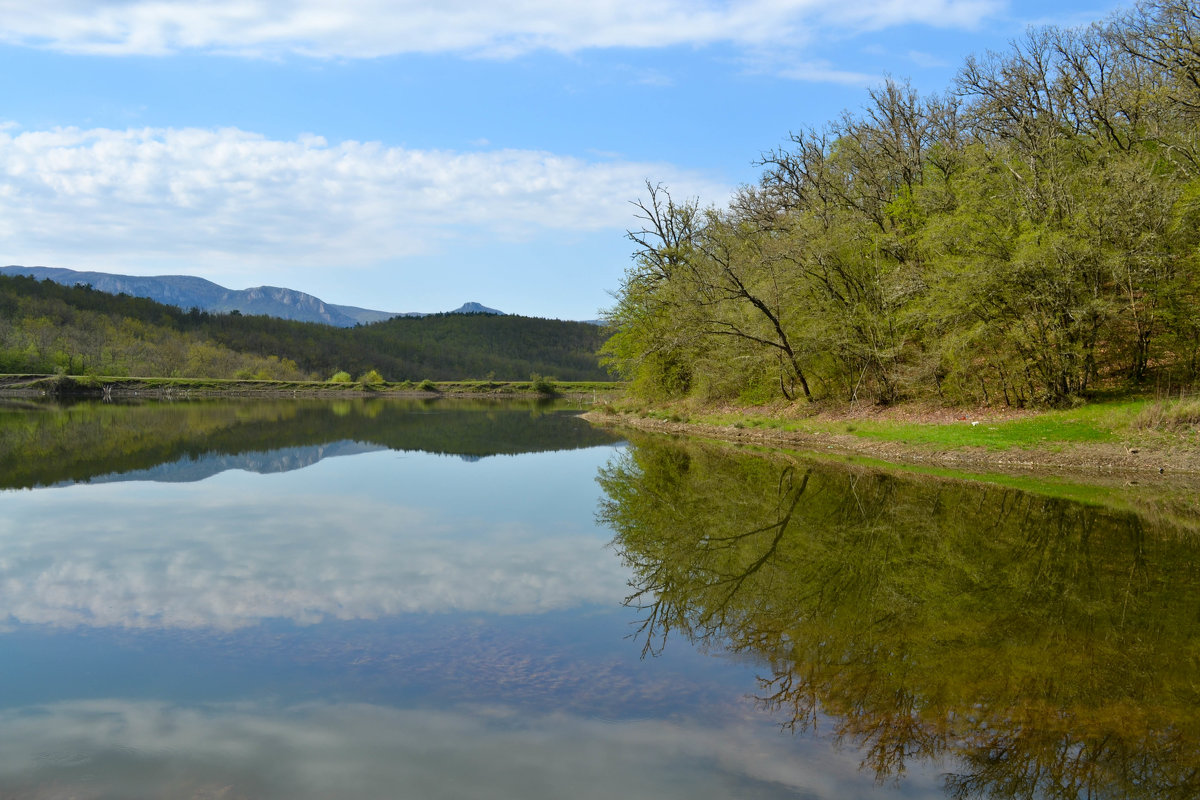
1034,647
44,444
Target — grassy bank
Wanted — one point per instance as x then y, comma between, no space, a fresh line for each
1122,434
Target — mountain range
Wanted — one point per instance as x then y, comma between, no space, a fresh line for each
187,292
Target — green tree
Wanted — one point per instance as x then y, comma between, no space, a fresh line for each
371,378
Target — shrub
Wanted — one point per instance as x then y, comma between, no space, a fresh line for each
542,385
427,386
340,377
371,378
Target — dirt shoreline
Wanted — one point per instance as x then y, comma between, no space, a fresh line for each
1091,462
299,394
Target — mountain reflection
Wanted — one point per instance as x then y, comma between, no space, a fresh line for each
44,445
1033,646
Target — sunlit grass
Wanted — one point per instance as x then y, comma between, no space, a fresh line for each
1119,421
1079,425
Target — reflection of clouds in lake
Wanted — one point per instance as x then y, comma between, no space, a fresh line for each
89,557
125,749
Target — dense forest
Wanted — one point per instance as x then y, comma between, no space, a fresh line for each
1030,236
46,327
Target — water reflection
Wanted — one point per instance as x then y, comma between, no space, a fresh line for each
112,748
1035,647
363,538
205,618
47,444
393,622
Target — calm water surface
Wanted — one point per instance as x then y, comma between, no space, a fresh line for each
377,599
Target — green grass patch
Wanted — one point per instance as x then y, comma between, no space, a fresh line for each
1023,433
1118,421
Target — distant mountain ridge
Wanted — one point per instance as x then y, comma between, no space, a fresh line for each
475,308
187,292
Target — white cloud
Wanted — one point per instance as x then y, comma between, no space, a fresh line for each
162,198
824,72
370,28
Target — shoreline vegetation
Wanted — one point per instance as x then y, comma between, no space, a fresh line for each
1001,277
1120,439
86,386
1123,438
1027,238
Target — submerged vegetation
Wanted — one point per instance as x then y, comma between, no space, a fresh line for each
1029,237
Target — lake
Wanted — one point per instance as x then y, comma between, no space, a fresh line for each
383,598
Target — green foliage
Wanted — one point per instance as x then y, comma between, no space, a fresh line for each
427,386
371,378
341,376
1031,239
47,327
542,384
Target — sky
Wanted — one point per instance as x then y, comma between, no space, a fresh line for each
407,155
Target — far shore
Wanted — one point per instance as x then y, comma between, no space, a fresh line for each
1123,439
66,387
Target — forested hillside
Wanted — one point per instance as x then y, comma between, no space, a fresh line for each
47,327
1029,236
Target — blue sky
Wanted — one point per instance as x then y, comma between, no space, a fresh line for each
409,155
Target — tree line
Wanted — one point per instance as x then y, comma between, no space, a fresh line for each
46,327
1029,236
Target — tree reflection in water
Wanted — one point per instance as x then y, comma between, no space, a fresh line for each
1034,646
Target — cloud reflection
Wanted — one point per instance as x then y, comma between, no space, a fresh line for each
88,557
133,749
